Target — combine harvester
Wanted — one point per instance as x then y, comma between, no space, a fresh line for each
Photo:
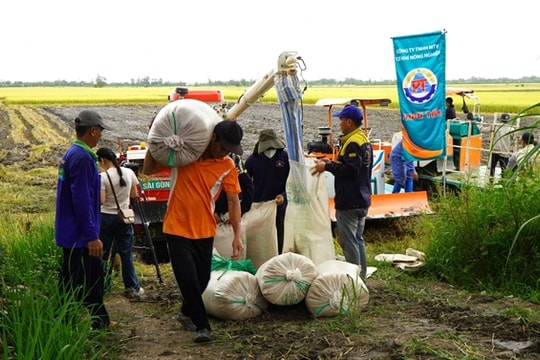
384,204
467,153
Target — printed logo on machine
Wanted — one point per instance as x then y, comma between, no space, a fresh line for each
155,184
419,85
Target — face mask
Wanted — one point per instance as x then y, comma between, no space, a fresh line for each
269,153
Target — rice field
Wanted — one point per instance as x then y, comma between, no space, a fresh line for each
507,97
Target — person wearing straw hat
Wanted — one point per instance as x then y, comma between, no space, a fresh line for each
269,169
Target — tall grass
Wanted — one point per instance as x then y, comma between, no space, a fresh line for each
38,321
471,238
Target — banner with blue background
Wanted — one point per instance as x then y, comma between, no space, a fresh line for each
421,83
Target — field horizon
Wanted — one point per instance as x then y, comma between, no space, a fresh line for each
491,98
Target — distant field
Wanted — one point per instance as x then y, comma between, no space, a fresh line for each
493,97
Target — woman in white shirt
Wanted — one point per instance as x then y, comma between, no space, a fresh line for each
125,184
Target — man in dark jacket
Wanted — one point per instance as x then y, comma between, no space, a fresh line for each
269,168
352,174
78,218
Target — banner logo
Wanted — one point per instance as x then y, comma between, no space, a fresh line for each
419,85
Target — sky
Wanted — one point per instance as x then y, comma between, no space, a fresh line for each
198,41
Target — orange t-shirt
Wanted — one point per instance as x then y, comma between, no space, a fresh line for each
190,212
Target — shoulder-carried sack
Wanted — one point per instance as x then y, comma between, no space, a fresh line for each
126,216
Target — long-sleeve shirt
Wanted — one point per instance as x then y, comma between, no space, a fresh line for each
78,215
352,172
269,176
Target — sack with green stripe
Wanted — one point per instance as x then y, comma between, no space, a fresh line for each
181,132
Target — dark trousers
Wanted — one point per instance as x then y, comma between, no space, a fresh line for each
280,227
501,160
191,261
83,275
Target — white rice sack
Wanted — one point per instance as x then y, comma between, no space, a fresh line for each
224,237
286,278
308,230
181,132
261,232
233,295
337,289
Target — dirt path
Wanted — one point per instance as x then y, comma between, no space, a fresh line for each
421,321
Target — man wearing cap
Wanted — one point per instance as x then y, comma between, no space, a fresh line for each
78,218
527,143
352,183
269,169
189,224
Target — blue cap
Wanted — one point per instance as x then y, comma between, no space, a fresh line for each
351,112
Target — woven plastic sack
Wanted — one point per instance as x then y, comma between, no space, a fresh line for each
181,132
308,229
337,289
224,237
261,232
286,278
233,295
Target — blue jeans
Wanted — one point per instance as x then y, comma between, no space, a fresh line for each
122,235
350,225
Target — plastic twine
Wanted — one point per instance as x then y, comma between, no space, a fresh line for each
171,153
221,263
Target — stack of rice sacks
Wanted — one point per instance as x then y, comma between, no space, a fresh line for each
181,132
286,278
337,289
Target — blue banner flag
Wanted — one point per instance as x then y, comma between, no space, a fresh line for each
421,83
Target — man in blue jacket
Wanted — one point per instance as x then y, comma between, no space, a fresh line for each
78,218
352,183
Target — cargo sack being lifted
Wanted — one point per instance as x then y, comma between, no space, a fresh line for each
181,132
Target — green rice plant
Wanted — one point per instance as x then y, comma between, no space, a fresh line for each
471,238
38,320
350,302
40,326
31,253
